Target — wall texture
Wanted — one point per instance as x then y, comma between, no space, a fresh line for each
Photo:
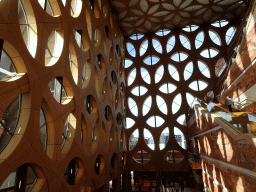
39,57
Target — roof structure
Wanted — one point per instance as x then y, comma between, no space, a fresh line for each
142,16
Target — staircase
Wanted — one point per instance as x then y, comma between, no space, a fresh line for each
240,125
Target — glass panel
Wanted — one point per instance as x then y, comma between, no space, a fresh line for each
43,129
9,121
53,48
146,106
170,44
9,183
167,88
78,38
182,119
45,4
163,32
164,138
139,90
127,63
230,34
173,156
173,72
199,39
157,46
214,37
151,60
136,36
133,139
179,136
201,85
76,8
179,57
161,105
155,121
149,140
191,100
185,42
129,122
131,77
221,23
176,104
31,179
141,157
143,47
188,71
204,69
65,132
131,49
159,73
7,67
209,53
190,28
133,106
145,75
57,89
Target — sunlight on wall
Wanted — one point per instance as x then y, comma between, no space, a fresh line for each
239,185
224,146
207,146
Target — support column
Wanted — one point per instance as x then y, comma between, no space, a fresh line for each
126,181
158,180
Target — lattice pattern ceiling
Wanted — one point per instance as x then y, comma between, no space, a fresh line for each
142,16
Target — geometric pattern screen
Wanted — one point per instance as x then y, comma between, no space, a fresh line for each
165,72
61,95
143,16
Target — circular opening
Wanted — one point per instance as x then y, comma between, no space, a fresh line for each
28,26
114,161
119,118
107,31
54,47
86,74
95,135
111,137
173,156
7,67
81,40
141,156
105,11
9,121
43,128
71,172
90,104
68,132
97,37
99,164
73,63
61,90
24,178
104,89
100,61
124,158
118,52
76,8
108,113
164,138
48,8
122,87
116,99
113,77
134,138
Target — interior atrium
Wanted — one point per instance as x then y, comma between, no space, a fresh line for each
114,95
